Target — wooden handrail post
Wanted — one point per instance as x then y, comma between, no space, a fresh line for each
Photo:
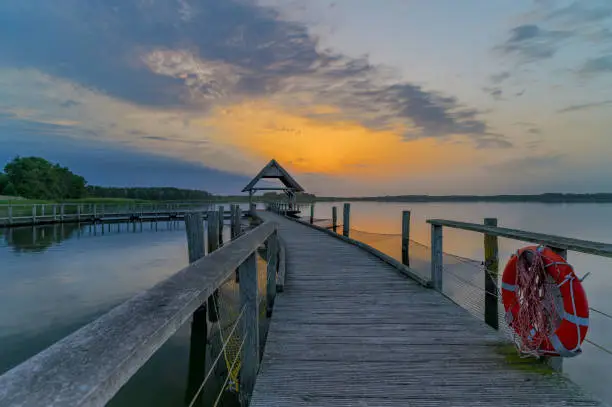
312,213
436,257
54,212
62,212
250,328
346,219
237,217
212,227
491,264
406,238
272,259
34,213
221,211
10,214
78,208
335,219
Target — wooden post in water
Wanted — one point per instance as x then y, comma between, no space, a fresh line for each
346,219
436,257
335,219
95,210
33,214
78,208
199,329
62,212
10,214
272,259
491,276
212,227
250,328
406,238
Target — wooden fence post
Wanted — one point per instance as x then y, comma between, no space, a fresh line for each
406,238
237,218
199,329
335,219
212,227
346,219
491,276
436,257
272,259
250,328
221,223
312,213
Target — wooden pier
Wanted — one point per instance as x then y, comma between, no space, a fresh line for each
351,330
349,325
14,215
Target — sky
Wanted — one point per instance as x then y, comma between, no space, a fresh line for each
353,97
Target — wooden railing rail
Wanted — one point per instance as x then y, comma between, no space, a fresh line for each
88,367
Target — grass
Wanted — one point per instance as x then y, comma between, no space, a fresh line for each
530,364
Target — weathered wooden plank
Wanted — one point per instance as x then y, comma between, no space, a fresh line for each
578,245
89,366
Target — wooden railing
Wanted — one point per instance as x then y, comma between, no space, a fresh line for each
561,245
15,214
88,367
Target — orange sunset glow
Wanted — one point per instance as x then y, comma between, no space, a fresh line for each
260,129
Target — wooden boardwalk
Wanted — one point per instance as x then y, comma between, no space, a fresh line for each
350,330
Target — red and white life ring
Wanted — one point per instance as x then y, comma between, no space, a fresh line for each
570,333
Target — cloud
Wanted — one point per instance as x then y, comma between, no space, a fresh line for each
495,93
69,103
193,55
598,65
500,77
531,43
582,12
585,106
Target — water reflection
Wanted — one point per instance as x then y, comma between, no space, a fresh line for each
40,238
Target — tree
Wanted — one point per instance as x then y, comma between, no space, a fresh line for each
37,178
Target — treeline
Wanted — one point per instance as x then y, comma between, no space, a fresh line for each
37,178
541,198
148,194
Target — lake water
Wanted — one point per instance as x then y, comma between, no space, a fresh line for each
54,279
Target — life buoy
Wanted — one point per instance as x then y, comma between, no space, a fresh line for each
565,341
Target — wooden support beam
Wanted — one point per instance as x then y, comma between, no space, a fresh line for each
346,219
406,238
436,257
272,259
250,328
212,227
335,219
491,276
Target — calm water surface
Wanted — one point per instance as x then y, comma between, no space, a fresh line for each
53,280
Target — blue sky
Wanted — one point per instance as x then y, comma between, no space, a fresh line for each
352,96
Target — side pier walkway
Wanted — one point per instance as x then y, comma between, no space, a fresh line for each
350,330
